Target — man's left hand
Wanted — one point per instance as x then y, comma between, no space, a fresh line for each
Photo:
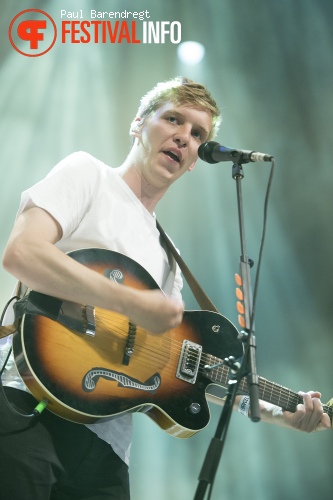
309,416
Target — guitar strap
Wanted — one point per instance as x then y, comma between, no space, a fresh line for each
214,393
10,329
202,298
7,330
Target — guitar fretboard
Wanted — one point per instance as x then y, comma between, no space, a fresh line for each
268,391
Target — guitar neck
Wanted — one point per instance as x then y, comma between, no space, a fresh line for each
268,391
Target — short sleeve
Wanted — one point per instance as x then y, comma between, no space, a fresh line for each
67,191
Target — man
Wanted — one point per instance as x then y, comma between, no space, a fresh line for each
83,203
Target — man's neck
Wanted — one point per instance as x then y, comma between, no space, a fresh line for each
146,193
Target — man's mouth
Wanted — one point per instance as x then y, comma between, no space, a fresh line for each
174,156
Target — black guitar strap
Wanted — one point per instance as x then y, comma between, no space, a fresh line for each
201,297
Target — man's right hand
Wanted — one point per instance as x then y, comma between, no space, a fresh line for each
152,310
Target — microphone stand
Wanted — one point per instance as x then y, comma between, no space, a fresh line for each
248,365
247,336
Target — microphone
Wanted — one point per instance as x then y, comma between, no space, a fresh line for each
213,152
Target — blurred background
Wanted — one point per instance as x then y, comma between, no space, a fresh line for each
269,65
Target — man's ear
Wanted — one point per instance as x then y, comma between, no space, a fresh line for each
136,127
191,167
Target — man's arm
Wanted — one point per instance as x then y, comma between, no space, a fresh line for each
32,257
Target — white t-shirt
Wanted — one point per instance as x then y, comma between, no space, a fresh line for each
96,208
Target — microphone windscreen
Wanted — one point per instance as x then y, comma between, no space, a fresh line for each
205,151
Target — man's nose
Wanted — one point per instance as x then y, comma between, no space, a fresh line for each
182,136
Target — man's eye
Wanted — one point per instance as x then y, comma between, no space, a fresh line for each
172,119
196,134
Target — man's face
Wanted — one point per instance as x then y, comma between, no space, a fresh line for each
169,141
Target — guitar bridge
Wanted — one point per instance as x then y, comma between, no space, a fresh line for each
189,362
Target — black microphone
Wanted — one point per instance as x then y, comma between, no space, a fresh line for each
213,152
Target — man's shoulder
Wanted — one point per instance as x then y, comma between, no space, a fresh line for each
78,157
82,162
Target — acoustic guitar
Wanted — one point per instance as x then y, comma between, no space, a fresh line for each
90,364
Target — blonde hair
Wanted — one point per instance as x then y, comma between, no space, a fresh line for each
181,91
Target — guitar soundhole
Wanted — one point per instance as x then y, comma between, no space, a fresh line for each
114,275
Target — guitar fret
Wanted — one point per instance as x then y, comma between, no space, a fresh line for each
288,399
279,394
264,389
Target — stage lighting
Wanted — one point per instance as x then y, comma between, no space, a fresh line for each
190,52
